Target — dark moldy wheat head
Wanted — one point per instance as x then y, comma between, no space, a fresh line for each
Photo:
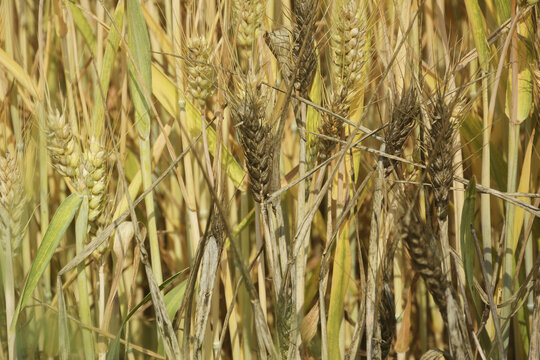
331,126
423,250
248,113
304,15
439,139
404,116
279,43
387,319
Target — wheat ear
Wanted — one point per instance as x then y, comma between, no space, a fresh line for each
247,19
62,146
11,210
424,252
201,75
404,116
348,58
249,114
12,200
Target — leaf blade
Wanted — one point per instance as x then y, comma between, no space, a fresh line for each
57,228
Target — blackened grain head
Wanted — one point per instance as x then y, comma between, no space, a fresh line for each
404,116
256,137
387,319
305,12
332,126
440,140
423,250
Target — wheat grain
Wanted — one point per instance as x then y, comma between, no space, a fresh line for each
424,252
439,138
348,59
95,178
404,116
348,55
12,200
63,148
248,113
200,73
247,20
305,12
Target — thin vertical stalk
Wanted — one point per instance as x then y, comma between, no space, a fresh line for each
44,192
513,148
146,171
81,230
476,23
9,291
300,258
375,238
485,202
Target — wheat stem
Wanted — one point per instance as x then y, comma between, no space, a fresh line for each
81,231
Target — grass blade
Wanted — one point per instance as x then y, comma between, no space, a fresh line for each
140,73
467,241
340,281
57,228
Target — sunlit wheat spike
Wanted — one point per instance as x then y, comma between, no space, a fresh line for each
347,44
62,146
247,20
348,58
201,75
12,199
95,178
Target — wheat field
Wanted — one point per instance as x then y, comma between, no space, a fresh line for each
269,179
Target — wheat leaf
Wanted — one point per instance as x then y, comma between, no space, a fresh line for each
57,228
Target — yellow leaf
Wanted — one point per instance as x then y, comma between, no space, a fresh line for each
18,73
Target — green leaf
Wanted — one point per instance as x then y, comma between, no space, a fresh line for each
173,299
470,128
82,24
476,23
111,48
524,78
56,230
140,66
467,240
340,281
